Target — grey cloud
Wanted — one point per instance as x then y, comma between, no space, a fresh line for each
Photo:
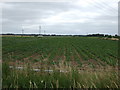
33,13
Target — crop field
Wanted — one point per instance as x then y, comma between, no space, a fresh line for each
59,62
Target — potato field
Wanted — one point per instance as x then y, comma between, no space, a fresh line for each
59,62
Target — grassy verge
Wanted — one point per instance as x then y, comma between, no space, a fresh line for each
73,78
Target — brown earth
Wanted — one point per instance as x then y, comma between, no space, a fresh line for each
87,65
115,39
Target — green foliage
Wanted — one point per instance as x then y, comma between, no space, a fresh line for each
52,50
73,79
17,48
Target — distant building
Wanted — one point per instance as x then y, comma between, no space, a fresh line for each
40,36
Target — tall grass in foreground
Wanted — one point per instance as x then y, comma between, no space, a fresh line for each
73,78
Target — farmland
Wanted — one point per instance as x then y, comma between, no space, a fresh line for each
77,62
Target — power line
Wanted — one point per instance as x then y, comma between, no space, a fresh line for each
102,7
44,31
22,31
39,30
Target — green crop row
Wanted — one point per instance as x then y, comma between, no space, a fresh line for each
18,48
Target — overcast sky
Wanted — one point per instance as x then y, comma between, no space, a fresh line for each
78,17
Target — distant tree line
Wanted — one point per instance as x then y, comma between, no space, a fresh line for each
103,35
90,35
